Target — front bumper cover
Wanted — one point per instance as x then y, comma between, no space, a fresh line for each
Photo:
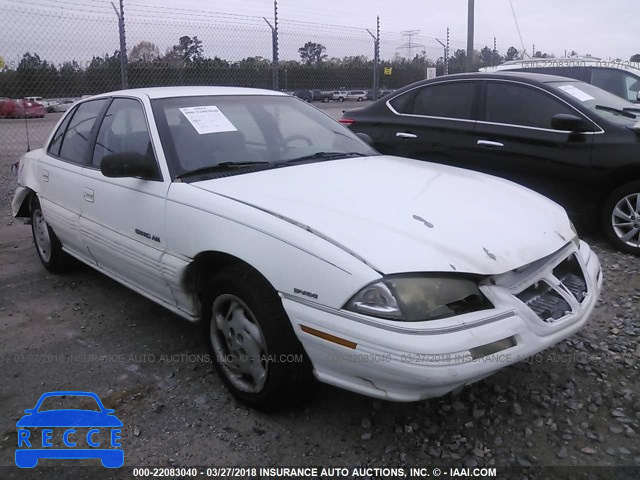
413,361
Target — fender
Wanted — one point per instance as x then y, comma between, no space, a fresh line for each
27,182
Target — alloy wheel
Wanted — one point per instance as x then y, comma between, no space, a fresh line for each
625,219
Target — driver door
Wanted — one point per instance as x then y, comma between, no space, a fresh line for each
122,219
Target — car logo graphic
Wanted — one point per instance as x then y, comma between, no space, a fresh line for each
102,437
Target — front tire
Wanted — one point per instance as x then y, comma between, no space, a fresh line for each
249,335
48,246
621,218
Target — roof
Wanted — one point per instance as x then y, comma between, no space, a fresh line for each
535,77
564,63
499,75
195,91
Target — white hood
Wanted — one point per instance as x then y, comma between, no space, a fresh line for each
403,215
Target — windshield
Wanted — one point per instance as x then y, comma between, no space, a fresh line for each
600,102
201,132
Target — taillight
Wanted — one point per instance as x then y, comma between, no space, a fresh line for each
347,121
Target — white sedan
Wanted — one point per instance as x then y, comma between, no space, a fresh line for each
301,249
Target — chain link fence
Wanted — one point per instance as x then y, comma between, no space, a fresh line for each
54,56
58,54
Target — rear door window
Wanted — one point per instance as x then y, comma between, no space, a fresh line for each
448,100
75,143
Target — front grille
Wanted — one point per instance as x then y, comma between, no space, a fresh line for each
571,276
545,302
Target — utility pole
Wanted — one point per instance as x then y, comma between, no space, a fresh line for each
446,54
123,45
494,53
274,46
533,52
376,57
470,26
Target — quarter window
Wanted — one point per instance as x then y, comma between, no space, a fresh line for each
520,105
124,129
75,143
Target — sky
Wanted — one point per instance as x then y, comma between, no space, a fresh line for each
62,29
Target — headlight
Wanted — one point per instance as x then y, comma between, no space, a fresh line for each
417,299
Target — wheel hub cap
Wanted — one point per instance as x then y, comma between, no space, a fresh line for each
625,220
41,234
238,343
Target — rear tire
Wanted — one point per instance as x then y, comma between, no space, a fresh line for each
620,218
48,246
253,345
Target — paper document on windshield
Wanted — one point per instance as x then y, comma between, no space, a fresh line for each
576,92
208,119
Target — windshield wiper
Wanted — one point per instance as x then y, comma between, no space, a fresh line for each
323,156
624,112
631,109
220,167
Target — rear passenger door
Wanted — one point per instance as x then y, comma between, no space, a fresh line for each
122,219
434,122
59,172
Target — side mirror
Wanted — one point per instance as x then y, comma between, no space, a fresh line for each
638,96
128,164
365,138
566,121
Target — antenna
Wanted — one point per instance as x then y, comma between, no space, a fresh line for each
26,123
518,28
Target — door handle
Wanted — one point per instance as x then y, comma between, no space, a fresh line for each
490,144
45,175
406,135
88,195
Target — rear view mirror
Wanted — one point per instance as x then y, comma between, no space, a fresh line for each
129,164
566,121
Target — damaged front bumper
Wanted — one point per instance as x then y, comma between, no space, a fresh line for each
536,307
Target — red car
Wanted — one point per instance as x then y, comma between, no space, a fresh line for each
7,108
10,108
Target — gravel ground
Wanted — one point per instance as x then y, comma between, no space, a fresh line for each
577,404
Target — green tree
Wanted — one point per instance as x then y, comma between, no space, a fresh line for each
635,58
489,57
144,52
512,54
312,53
187,50
35,76
458,62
